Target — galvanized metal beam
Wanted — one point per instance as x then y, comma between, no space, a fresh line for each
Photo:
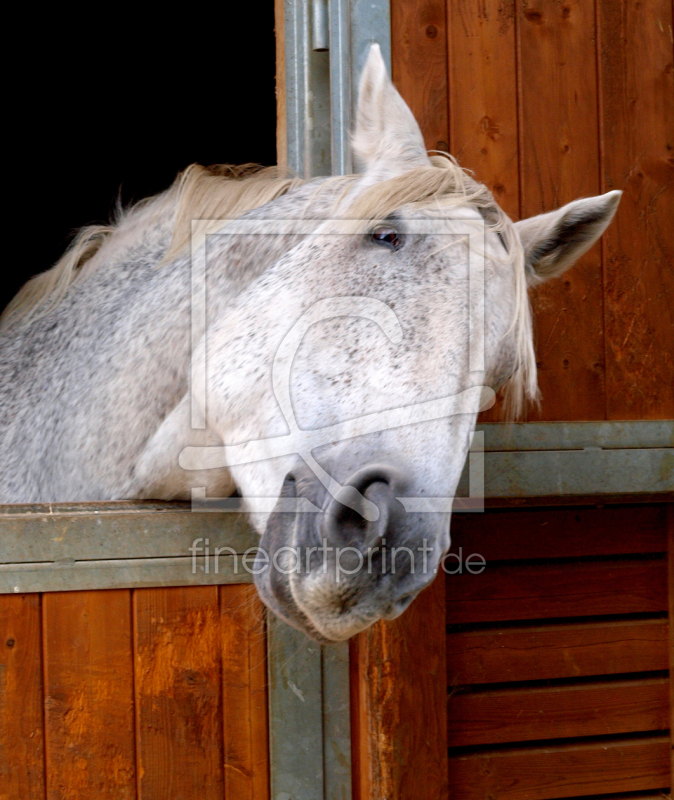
326,44
309,716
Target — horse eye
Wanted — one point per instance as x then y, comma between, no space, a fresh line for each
387,237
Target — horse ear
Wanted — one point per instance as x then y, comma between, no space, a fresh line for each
386,135
553,242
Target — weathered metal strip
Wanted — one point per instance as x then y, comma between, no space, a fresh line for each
354,26
307,94
133,573
87,532
564,473
336,722
309,717
295,714
578,435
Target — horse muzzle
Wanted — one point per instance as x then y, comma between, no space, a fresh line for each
358,557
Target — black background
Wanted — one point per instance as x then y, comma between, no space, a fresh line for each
110,104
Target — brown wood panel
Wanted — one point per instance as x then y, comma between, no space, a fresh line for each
483,95
281,120
21,723
571,770
637,87
564,532
547,652
244,693
399,704
419,65
178,693
559,158
88,678
539,591
558,712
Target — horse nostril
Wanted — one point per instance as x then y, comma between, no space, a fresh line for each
352,523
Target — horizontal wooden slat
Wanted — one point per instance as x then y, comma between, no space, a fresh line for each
558,712
556,651
538,591
571,770
534,533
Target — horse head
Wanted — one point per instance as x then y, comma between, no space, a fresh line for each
347,379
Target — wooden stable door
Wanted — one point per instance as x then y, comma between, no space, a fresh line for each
145,693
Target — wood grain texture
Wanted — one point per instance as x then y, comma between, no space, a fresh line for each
483,95
557,712
281,120
88,695
637,86
540,591
244,693
419,65
21,723
556,651
399,716
559,161
564,532
178,693
571,770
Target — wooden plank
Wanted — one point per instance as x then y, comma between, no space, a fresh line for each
179,747
539,591
483,95
399,704
556,651
21,723
559,158
558,712
571,770
581,532
637,86
281,122
244,693
419,65
89,725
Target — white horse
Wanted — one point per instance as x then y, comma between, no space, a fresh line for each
345,354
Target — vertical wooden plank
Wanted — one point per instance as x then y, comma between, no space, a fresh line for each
419,65
178,693
244,693
483,95
88,695
21,723
559,158
483,102
400,703
637,87
281,124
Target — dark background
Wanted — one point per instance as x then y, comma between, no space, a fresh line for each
98,108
